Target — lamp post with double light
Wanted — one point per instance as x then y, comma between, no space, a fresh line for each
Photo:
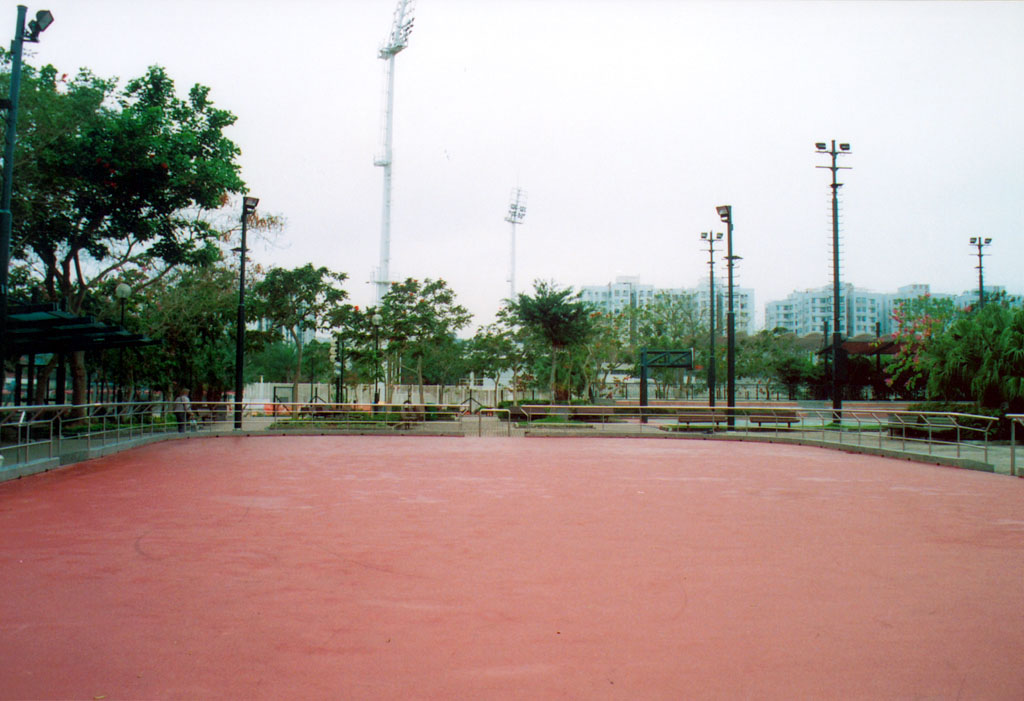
710,238
376,320
837,338
981,243
43,20
725,213
122,292
248,209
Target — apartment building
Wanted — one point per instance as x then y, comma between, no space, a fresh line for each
628,291
806,312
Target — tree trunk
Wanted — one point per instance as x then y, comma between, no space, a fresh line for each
419,375
78,380
298,371
554,364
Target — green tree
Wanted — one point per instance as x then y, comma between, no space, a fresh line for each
670,322
558,317
191,312
416,316
979,357
111,181
608,351
492,351
295,301
274,362
918,322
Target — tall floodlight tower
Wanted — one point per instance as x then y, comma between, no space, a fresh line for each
516,213
396,41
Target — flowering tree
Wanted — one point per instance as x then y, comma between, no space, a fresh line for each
918,323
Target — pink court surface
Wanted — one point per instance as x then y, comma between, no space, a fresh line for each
409,568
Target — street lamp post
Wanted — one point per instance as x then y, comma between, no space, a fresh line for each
837,338
376,320
711,238
725,213
43,20
248,208
980,243
122,292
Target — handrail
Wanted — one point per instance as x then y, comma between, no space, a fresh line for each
1014,420
915,431
29,433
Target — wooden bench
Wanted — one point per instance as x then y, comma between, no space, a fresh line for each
592,414
701,417
920,426
776,417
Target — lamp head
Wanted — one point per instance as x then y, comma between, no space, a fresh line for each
249,204
821,146
719,236
122,291
44,18
376,319
704,235
725,213
844,147
988,241
974,240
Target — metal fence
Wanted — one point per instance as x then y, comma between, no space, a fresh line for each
1015,421
53,435
50,435
940,434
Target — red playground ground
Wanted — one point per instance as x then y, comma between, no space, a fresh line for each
440,568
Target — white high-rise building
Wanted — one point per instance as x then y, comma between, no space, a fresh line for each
806,312
627,291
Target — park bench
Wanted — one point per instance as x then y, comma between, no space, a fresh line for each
701,416
921,426
591,414
785,416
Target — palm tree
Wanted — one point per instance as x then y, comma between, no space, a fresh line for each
555,315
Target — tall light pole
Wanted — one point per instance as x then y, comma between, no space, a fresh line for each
248,208
837,337
980,243
43,20
711,238
397,40
376,320
122,292
725,213
516,214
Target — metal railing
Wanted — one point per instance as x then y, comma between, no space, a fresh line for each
51,432
920,432
1015,420
34,433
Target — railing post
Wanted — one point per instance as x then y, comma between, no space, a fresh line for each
1013,447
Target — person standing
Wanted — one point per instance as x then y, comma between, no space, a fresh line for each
182,409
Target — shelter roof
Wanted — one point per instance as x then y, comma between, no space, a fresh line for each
44,328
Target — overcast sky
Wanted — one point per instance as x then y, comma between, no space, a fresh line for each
625,121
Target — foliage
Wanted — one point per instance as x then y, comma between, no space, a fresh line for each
962,355
192,313
558,317
918,322
492,351
417,316
114,182
670,323
298,300
980,357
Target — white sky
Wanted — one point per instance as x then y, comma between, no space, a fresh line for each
626,122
